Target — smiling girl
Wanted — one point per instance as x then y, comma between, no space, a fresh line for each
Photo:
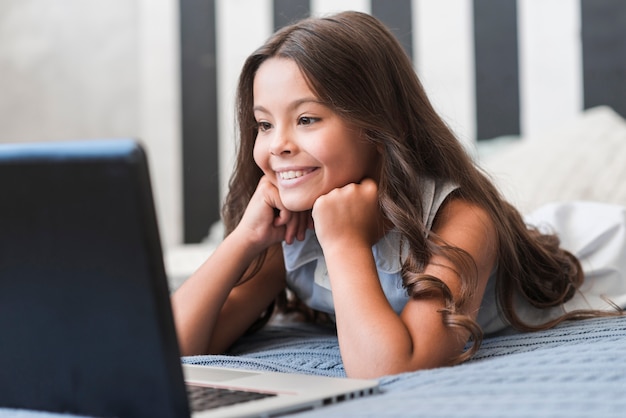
351,192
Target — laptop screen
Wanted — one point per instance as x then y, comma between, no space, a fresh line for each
84,311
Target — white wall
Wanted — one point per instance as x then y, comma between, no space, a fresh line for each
85,69
550,54
159,109
444,60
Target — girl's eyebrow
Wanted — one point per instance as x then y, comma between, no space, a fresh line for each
295,104
306,100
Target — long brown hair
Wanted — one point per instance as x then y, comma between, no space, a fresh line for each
357,67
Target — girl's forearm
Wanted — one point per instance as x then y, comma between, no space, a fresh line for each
373,339
197,303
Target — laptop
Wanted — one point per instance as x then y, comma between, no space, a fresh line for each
85,319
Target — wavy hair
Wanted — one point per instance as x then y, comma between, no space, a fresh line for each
356,66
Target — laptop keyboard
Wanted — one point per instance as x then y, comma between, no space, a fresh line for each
202,398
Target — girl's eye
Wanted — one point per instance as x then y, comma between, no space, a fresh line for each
264,126
307,120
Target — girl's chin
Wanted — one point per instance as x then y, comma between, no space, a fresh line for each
296,205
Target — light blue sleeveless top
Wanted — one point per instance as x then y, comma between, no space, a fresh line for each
307,275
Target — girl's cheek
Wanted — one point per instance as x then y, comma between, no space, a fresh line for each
259,158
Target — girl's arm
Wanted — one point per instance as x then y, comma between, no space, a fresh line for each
373,339
210,312
210,309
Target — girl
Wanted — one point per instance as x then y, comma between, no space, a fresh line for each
365,206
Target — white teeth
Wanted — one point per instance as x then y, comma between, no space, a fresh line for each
288,175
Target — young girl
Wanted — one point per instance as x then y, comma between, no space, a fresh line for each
351,192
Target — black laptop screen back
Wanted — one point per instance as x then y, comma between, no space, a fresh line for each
85,321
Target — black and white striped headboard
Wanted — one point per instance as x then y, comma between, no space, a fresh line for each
491,67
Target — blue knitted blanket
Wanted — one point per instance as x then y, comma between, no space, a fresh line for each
575,370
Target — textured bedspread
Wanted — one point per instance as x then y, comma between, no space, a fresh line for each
577,369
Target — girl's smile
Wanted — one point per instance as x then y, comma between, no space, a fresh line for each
291,178
292,174
302,145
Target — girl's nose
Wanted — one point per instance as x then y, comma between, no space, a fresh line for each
281,143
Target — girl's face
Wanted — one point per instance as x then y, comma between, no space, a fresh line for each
302,146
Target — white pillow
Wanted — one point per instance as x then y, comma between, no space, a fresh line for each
583,160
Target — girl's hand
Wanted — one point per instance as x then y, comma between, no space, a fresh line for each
349,216
266,221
